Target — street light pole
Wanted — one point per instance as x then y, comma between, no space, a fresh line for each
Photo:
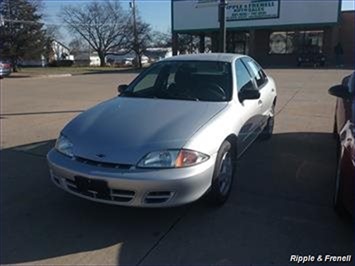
136,44
222,25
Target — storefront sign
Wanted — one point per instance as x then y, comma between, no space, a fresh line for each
196,15
252,9
206,3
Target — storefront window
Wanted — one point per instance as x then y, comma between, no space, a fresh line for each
282,42
288,42
310,40
237,42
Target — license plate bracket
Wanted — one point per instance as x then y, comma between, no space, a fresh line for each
87,185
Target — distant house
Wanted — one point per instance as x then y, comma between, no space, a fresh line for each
126,58
86,58
118,58
36,62
60,51
156,54
94,60
82,58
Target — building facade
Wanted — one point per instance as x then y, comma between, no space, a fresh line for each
274,32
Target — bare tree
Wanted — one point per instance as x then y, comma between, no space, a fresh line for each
103,24
161,39
141,42
78,45
51,33
187,43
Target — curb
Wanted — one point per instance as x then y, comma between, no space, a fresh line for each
40,76
53,76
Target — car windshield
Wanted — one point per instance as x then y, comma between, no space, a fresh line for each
184,80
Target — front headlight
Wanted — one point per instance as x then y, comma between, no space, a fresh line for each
172,159
64,146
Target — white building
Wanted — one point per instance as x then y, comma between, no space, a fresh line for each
60,51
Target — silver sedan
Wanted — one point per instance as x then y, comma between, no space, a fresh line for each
171,136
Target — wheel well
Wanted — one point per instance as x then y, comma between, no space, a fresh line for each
233,139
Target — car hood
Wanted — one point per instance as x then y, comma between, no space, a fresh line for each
122,130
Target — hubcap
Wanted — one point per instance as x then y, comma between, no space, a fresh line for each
225,173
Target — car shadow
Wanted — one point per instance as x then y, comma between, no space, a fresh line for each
281,204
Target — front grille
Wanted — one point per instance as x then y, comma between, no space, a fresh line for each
158,197
56,179
102,164
117,195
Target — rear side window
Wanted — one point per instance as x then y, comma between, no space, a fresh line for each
256,71
244,80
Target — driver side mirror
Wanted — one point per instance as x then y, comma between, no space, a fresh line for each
340,91
249,95
121,88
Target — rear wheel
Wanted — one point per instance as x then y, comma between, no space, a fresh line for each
223,174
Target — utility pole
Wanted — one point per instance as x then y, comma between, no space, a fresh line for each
136,44
222,25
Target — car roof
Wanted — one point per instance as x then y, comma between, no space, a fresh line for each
221,57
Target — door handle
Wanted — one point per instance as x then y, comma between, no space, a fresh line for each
260,102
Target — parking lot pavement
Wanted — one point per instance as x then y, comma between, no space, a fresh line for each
44,105
281,203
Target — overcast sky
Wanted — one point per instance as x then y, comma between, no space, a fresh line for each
155,12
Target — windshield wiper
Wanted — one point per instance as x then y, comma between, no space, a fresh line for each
167,97
187,98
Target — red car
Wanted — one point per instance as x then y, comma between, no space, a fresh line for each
345,133
5,69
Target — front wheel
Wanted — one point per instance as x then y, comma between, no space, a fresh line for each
269,128
223,174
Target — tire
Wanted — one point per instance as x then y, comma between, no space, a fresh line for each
223,174
335,129
269,128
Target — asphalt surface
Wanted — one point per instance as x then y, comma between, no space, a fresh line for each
281,203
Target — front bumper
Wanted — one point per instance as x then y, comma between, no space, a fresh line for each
133,187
